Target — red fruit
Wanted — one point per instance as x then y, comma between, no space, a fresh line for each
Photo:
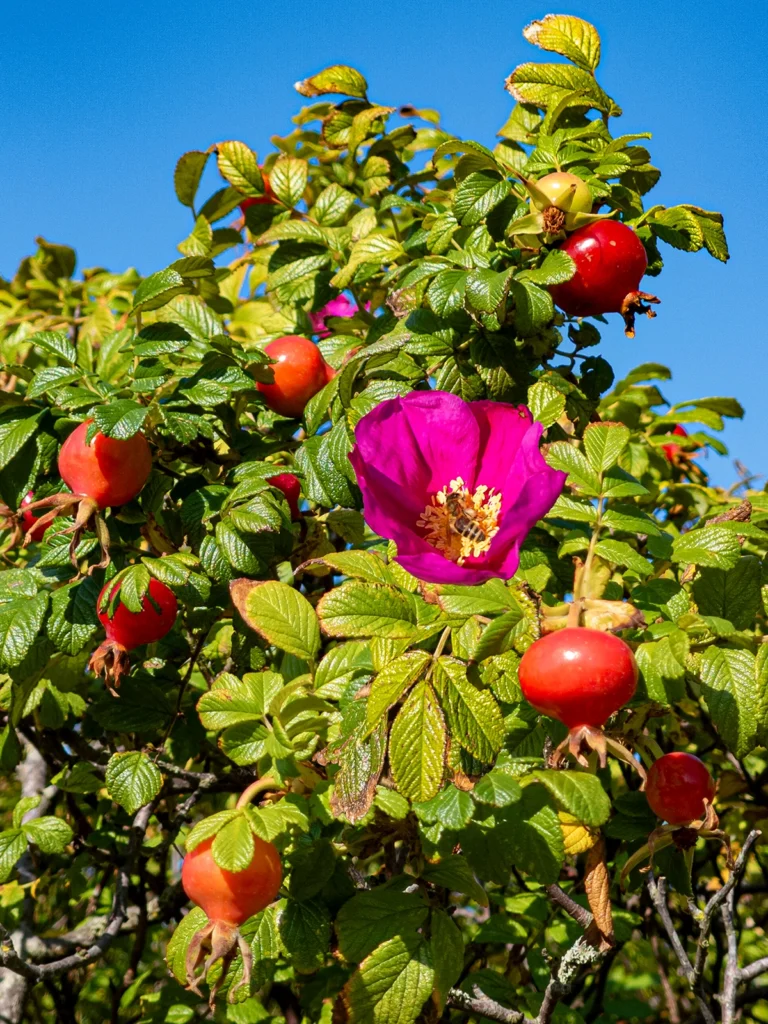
291,488
671,450
610,263
300,372
268,197
578,676
131,629
678,784
228,896
109,471
29,520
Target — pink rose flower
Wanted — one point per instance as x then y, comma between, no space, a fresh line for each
456,485
340,306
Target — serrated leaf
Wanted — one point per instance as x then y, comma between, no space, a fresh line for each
50,834
120,419
545,85
532,836
233,846
305,929
392,984
452,808
15,431
73,619
365,609
711,545
556,268
567,35
176,951
339,78
239,166
534,309
371,917
288,179
232,701
564,456
209,827
578,793
417,745
447,951
498,789
729,686
453,872
478,194
474,717
618,552
13,844
132,780
546,403
56,342
280,614
604,443
158,289
394,680
20,623
186,177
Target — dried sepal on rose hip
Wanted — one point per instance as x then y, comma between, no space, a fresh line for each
228,899
581,677
101,473
128,629
679,790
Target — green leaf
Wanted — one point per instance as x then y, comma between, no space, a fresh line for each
272,821
417,745
373,916
394,680
662,667
567,35
532,836
332,205
392,984
15,431
364,565
729,686
547,405
176,950
447,952
604,443
498,789
132,780
56,342
158,289
478,194
280,614
239,166
186,177
618,552
50,834
446,292
305,929
578,793
288,179
208,827
142,707
120,419
564,456
233,701
336,79
556,268
233,846
534,309
20,623
50,378
13,844
710,545
452,807
453,872
630,519
366,609
73,619
733,595
362,762
474,718
545,85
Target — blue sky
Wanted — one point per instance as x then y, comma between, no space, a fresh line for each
100,99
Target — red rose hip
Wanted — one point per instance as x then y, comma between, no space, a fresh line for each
109,471
290,485
610,262
578,676
677,787
232,896
300,372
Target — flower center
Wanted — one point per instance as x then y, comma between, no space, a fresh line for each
461,524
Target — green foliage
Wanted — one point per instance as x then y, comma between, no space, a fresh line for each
409,786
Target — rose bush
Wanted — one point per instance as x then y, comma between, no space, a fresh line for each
369,466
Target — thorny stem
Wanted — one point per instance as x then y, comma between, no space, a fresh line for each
185,681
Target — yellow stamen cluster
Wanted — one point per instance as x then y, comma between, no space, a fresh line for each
447,524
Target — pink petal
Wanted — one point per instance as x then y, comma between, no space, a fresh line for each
503,428
432,567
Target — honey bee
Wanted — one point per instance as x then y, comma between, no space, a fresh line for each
461,520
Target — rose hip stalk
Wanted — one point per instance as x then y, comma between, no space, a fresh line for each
610,262
581,677
100,474
229,899
127,629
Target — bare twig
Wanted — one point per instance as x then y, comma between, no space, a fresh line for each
484,1006
731,973
754,969
578,913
